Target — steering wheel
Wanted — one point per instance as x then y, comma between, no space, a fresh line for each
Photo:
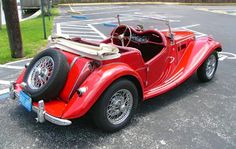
120,33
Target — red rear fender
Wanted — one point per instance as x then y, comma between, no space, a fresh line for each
95,85
79,71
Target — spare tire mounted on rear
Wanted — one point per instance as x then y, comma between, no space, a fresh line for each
46,75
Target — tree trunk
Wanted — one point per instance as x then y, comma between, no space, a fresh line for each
13,28
0,14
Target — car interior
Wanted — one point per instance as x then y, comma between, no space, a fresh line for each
148,42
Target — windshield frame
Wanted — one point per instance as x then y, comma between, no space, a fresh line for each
167,23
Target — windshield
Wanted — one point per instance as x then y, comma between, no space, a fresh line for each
154,22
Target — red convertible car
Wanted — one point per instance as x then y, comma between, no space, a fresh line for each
109,79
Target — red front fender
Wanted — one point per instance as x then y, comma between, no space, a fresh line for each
95,84
200,51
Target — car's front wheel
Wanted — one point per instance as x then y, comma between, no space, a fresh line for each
116,106
207,70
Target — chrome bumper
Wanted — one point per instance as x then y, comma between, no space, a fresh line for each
42,115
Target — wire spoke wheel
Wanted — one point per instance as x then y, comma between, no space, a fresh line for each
46,75
116,106
207,70
211,66
41,72
120,106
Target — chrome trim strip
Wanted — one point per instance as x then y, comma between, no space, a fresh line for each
186,38
12,93
57,121
73,62
52,119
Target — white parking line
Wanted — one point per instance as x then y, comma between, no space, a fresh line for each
122,18
4,91
58,26
226,55
75,25
9,63
71,8
188,26
83,9
64,27
197,34
86,31
78,32
11,67
81,35
97,31
3,82
109,12
114,20
85,22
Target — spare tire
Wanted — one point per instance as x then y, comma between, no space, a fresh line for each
46,75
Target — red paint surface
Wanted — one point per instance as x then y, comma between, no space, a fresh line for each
173,65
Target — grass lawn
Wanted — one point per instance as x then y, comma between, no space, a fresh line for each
32,36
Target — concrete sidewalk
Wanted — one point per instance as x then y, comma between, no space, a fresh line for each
9,72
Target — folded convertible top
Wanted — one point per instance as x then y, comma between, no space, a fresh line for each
101,52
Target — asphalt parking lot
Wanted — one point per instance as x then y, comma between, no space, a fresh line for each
194,115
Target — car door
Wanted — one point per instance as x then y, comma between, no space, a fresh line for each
171,61
161,66
156,68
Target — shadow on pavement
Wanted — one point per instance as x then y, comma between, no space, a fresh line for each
82,133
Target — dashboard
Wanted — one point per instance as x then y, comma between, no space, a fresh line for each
147,37
139,38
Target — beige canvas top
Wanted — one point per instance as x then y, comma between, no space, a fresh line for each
101,52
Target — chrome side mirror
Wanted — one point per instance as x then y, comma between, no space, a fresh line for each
118,19
171,35
172,39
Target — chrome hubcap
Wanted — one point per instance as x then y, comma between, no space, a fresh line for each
211,66
41,72
119,106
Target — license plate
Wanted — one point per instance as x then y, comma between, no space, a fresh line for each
25,100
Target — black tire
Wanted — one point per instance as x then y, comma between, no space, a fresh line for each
202,70
56,81
99,113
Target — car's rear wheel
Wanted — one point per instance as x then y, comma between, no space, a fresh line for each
46,75
207,70
116,106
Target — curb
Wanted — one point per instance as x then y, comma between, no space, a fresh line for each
17,61
74,12
36,14
146,3
216,11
